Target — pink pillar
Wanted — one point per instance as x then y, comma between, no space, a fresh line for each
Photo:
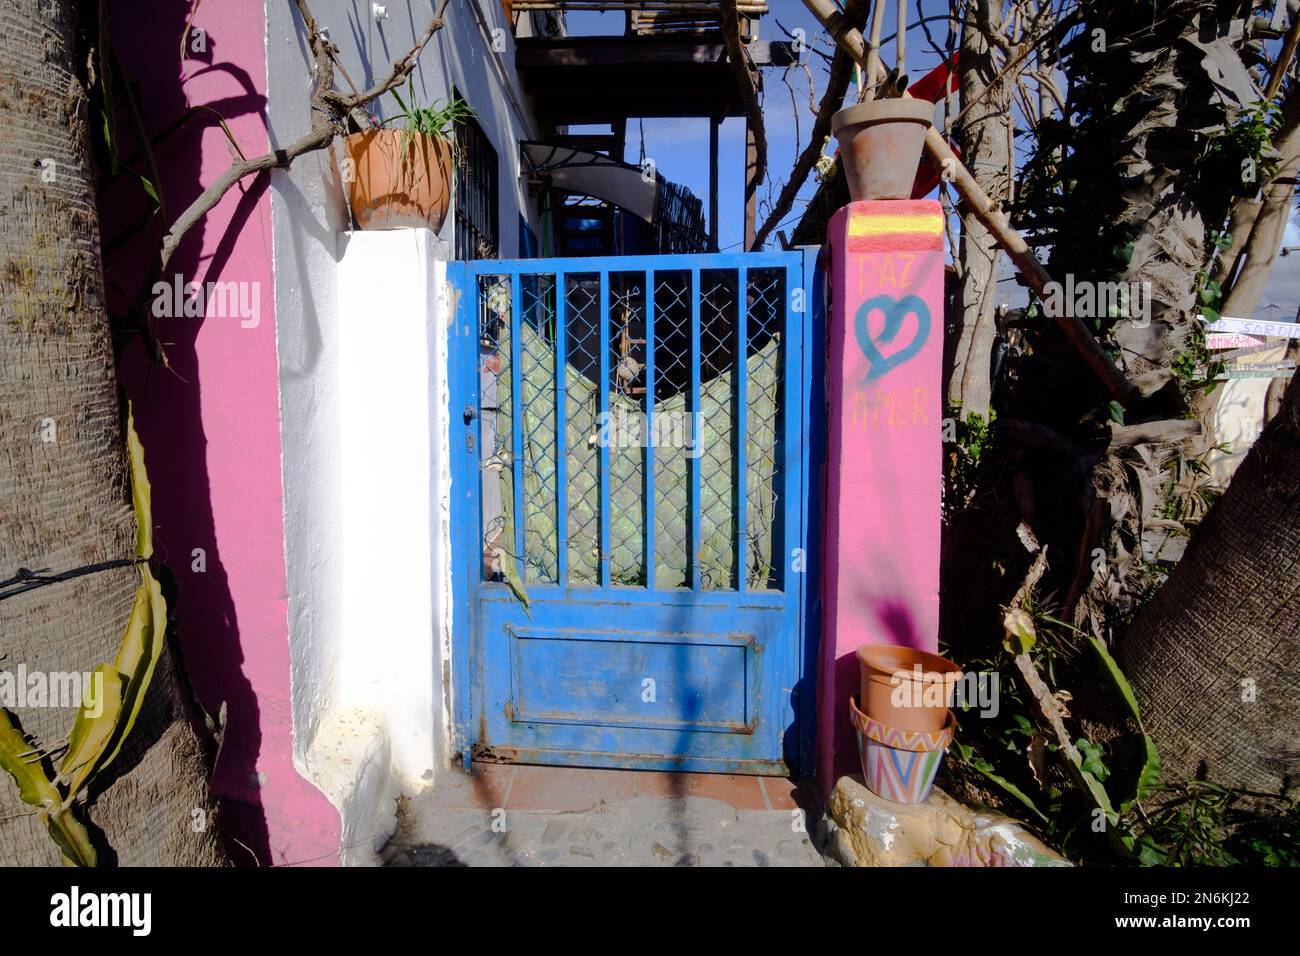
210,423
884,469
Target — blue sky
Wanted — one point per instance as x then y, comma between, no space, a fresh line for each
680,147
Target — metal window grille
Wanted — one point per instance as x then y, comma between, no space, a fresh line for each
477,194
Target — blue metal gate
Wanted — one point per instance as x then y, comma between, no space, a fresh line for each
629,510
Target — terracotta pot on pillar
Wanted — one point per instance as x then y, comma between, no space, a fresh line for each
399,179
880,146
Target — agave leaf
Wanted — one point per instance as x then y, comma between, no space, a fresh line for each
1149,775
397,97
153,182
147,185
18,759
146,628
1099,794
36,789
101,56
967,754
510,571
139,489
92,733
1117,678
136,658
987,770
70,836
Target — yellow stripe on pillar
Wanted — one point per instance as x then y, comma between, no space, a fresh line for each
864,226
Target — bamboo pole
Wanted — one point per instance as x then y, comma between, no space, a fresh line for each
870,68
900,61
647,6
992,217
1283,62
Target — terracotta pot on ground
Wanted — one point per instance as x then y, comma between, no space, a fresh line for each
399,181
880,146
900,765
906,689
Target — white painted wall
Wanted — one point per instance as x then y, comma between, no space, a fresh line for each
361,337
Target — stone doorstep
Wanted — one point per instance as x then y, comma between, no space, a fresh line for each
544,789
641,831
867,830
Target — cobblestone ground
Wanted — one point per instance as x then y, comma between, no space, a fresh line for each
616,829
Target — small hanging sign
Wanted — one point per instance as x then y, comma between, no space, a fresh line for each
1283,330
1232,340
1256,371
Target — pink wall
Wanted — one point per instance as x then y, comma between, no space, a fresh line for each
884,461
210,423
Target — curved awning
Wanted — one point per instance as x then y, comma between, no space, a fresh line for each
593,174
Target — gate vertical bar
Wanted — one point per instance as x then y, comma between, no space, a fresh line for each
742,427
697,432
602,421
466,511
648,450
517,420
794,331
561,426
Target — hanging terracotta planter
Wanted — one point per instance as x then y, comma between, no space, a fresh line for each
880,146
899,765
400,179
906,689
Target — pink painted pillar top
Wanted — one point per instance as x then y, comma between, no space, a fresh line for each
884,468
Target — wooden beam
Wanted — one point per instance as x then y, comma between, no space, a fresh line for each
533,52
607,6
567,109
619,149
751,185
748,80
714,123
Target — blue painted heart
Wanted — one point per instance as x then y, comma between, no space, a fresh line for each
895,311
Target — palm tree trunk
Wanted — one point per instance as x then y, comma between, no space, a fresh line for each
64,496
1215,657
983,143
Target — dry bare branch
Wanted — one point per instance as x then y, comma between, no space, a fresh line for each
837,84
995,221
329,112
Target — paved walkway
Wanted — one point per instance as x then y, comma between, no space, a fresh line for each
560,816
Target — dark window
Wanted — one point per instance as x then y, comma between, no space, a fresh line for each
476,194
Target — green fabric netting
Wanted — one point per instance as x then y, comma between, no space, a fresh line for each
718,419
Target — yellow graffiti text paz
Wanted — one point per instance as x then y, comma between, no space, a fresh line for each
888,270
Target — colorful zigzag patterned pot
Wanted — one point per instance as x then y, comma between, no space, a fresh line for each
899,765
